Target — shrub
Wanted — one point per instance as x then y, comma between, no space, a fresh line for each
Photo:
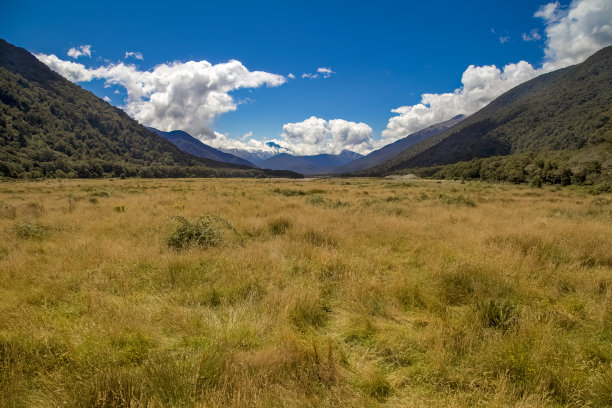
536,181
30,230
326,203
459,200
499,314
279,226
601,188
205,231
288,192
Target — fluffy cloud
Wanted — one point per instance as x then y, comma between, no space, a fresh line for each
315,135
173,96
291,76
107,99
309,137
572,35
262,147
133,54
480,85
76,52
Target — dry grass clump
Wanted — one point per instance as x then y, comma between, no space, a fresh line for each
326,293
205,231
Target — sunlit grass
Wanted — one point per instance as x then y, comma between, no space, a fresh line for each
358,292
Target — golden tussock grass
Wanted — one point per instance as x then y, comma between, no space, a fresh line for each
360,292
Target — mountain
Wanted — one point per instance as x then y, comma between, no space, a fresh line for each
316,164
393,149
556,126
50,127
258,156
190,144
287,161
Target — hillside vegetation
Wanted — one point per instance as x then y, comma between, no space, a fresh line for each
50,127
328,293
191,145
568,110
393,149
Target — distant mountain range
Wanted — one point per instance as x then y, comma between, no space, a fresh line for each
556,128
50,127
265,159
317,164
257,156
190,144
391,150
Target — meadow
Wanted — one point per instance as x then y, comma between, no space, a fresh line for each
304,293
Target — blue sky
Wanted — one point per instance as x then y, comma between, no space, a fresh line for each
383,55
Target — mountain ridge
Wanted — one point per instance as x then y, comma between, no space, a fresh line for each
190,144
390,150
314,164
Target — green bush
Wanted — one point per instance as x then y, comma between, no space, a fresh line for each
601,188
499,314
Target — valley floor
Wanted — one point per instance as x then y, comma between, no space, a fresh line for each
337,293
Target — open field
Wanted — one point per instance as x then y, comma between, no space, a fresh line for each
337,293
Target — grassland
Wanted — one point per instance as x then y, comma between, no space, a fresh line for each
337,293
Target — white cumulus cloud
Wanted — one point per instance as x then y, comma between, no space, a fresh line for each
76,52
572,35
107,99
309,137
315,135
179,95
